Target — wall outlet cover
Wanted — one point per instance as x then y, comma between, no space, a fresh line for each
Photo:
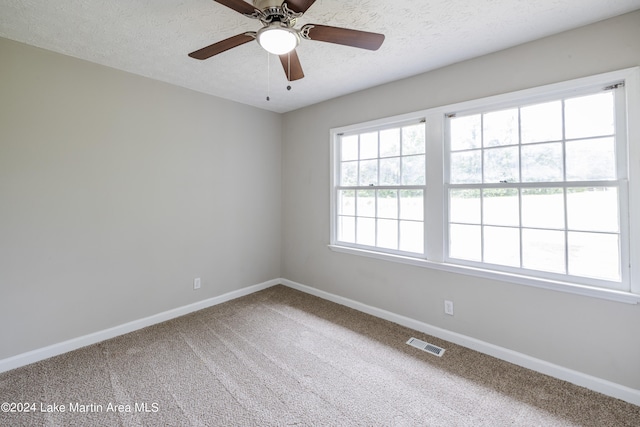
448,307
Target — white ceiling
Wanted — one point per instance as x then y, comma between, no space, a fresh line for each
153,37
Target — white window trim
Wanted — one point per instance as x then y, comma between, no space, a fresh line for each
435,202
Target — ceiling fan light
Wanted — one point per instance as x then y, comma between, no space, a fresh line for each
278,40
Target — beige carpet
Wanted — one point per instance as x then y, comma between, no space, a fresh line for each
280,357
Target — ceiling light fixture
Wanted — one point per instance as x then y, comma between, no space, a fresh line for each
277,38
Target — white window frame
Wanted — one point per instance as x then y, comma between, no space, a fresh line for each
375,187
436,198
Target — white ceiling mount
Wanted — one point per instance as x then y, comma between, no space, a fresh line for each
261,4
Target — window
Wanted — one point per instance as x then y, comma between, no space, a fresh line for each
534,187
380,191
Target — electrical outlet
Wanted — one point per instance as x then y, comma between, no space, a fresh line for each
448,307
196,283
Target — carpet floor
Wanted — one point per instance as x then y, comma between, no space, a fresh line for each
280,357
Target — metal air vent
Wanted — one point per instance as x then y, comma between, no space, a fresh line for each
425,346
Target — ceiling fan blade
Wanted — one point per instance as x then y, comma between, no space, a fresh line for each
292,67
299,5
221,46
238,5
345,36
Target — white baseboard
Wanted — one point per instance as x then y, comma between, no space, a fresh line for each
83,341
578,378
593,383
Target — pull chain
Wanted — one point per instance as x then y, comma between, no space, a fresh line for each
289,69
268,77
269,74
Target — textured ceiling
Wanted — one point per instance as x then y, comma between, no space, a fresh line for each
153,37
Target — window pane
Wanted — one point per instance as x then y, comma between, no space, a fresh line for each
411,236
368,172
349,173
412,204
413,170
595,255
593,209
346,202
501,164
369,145
390,171
500,206
388,204
466,167
541,122
366,203
464,206
366,231
542,163
591,159
543,208
390,142
413,139
464,242
543,250
388,233
500,128
347,229
502,246
349,145
590,115
465,132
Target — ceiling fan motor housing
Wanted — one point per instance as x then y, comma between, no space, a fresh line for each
270,11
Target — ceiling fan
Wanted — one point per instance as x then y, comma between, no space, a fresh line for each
279,37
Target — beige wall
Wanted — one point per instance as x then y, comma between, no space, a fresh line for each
116,191
563,329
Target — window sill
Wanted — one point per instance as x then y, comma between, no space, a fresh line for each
606,294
